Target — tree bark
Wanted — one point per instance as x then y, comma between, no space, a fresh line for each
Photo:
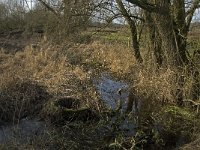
135,42
133,28
180,28
173,25
154,38
164,24
171,22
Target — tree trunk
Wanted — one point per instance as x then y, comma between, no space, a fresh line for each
133,28
164,24
154,38
181,46
171,23
135,42
180,28
173,46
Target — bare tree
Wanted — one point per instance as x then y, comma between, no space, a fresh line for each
171,20
134,31
167,25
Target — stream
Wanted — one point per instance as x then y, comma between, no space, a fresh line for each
108,90
21,132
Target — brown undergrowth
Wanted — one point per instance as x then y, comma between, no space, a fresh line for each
156,89
30,77
157,84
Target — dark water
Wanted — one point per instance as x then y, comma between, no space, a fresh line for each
21,132
108,90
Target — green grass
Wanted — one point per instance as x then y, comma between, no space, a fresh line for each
113,37
193,44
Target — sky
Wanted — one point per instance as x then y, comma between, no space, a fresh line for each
28,6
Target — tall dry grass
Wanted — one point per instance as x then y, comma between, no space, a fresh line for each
156,90
67,71
30,77
114,58
156,86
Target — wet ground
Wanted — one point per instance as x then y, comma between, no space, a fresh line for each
108,90
22,131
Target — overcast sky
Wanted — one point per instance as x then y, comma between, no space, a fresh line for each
28,5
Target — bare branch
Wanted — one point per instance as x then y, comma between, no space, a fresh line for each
123,11
49,8
144,5
190,12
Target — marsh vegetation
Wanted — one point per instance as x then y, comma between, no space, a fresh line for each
99,75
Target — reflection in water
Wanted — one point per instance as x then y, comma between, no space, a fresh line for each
108,90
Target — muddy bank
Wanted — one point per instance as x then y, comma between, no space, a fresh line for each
94,134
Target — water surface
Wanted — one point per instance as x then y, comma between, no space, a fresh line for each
21,132
108,89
